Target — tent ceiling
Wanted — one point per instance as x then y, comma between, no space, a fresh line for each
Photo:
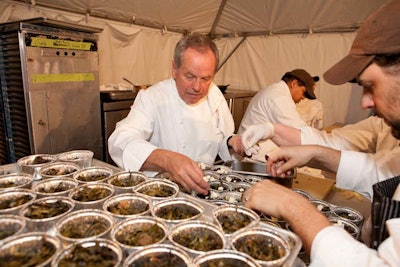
227,17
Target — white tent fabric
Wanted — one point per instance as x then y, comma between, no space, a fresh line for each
319,38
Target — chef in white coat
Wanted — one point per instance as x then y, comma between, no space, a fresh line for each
179,122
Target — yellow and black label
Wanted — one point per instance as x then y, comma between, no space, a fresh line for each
63,44
63,77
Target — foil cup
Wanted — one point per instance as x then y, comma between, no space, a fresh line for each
83,158
204,166
42,214
221,169
89,253
11,225
58,170
92,175
276,247
233,198
177,210
348,214
91,195
232,178
240,187
303,193
125,181
33,163
197,237
36,248
232,218
54,187
350,227
210,176
137,233
322,206
12,201
252,179
83,225
15,181
125,206
152,255
157,189
225,257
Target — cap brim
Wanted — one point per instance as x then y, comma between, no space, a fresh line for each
347,69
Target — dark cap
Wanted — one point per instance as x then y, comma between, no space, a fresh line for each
307,79
379,34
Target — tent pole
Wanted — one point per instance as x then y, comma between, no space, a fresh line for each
231,53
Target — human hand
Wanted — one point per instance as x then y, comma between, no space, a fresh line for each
253,134
268,197
187,173
236,143
283,160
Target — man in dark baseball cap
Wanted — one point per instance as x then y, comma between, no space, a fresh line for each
379,35
306,79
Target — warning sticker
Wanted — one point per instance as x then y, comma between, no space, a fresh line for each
68,77
64,44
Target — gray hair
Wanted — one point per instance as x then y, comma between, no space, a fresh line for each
196,41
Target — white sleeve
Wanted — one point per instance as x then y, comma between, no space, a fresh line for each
347,138
333,246
128,145
359,171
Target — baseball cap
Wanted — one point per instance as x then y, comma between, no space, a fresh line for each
379,34
307,79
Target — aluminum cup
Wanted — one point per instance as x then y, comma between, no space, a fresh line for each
54,187
350,227
91,195
37,248
125,181
157,189
83,158
197,237
89,253
42,214
83,225
303,193
348,214
232,218
221,169
243,239
15,180
232,178
58,170
137,233
225,257
323,206
177,210
11,201
252,179
233,198
33,163
92,175
152,255
125,206
11,225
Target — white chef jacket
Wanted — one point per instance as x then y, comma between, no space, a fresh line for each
272,104
311,111
333,246
359,171
369,135
159,118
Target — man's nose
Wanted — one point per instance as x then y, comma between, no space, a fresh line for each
367,101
